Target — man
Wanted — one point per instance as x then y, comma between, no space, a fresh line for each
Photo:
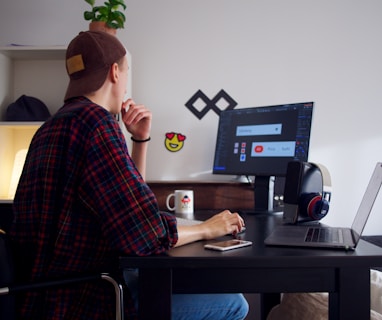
82,200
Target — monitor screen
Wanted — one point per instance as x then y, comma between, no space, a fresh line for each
260,141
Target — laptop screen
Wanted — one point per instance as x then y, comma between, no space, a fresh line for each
367,202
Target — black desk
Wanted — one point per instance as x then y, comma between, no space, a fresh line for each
258,269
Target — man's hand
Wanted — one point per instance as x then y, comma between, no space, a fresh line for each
137,119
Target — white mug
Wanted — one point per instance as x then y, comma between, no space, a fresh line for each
183,201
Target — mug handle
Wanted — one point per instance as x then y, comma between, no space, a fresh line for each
168,202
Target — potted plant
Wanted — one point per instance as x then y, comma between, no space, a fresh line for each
107,16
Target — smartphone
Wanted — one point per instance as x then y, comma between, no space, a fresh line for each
228,245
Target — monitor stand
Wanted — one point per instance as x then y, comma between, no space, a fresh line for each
264,194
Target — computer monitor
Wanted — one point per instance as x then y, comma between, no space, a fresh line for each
260,142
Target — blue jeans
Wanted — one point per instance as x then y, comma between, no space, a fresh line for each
225,306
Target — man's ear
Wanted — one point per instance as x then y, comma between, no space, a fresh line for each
114,72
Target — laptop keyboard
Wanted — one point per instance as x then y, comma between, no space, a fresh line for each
322,235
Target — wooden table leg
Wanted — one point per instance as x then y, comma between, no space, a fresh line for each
155,290
352,301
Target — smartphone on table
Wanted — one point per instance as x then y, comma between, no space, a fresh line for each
228,244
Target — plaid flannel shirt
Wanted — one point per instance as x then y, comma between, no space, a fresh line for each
79,205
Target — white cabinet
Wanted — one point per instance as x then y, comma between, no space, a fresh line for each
15,138
33,71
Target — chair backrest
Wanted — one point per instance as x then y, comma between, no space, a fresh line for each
7,302
8,262
7,279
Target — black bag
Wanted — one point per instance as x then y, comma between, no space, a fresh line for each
27,108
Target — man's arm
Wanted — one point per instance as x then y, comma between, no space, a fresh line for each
139,155
137,119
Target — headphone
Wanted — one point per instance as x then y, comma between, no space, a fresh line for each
315,205
307,192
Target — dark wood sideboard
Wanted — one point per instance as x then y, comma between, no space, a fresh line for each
208,195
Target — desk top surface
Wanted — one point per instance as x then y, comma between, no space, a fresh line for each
258,227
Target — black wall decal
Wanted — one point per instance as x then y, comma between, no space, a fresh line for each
210,104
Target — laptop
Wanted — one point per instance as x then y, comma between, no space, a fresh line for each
330,237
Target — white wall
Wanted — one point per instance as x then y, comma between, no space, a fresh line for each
260,53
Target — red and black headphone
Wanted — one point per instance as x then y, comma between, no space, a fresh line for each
315,205
307,192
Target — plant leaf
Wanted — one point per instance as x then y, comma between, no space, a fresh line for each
118,3
91,2
89,15
107,12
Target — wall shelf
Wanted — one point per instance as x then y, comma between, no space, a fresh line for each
19,124
37,71
32,71
33,52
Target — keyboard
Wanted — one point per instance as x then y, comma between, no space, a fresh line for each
322,235
191,222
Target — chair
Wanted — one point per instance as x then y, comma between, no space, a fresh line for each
8,288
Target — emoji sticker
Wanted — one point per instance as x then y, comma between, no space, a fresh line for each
174,141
